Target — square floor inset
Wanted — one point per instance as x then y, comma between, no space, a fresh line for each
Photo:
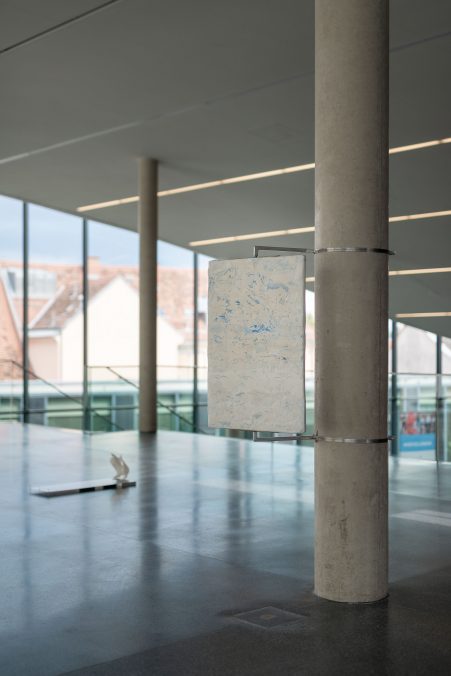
269,617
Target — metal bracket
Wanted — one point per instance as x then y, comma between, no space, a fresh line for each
294,437
257,249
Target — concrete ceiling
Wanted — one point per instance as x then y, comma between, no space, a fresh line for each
216,89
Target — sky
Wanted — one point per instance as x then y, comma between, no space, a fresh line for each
56,237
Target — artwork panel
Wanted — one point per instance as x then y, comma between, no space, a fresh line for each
256,342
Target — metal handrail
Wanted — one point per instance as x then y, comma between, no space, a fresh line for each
409,373
90,409
135,366
159,403
60,391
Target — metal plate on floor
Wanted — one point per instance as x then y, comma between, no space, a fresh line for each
56,490
269,617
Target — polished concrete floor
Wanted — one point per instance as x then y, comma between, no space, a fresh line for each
150,580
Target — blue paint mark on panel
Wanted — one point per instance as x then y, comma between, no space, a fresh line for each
259,328
275,285
225,317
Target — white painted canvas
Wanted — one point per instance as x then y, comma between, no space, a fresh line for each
256,344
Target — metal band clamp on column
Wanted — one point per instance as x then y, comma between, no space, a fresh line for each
351,440
328,249
353,249
317,437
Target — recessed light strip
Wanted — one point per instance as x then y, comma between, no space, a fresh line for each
420,271
202,186
295,231
252,235
248,177
416,217
419,146
421,315
111,203
237,179
398,273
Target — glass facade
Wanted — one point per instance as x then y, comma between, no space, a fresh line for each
201,291
175,338
75,362
11,309
112,315
81,360
55,318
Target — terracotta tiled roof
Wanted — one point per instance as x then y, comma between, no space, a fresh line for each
175,299
67,303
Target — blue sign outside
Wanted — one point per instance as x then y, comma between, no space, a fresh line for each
416,442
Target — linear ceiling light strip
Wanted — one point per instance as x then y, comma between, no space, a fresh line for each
249,177
421,315
399,273
202,186
252,235
419,271
416,217
419,146
293,231
111,203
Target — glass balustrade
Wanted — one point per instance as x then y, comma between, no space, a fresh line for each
422,405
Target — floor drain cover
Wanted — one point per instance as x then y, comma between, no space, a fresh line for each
268,617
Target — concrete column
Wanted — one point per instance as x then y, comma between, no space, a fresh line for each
148,236
351,290
440,450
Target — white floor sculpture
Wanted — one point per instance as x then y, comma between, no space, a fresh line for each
121,467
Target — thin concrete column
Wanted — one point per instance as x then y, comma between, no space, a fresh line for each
85,282
148,236
25,315
351,290
440,451
195,341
